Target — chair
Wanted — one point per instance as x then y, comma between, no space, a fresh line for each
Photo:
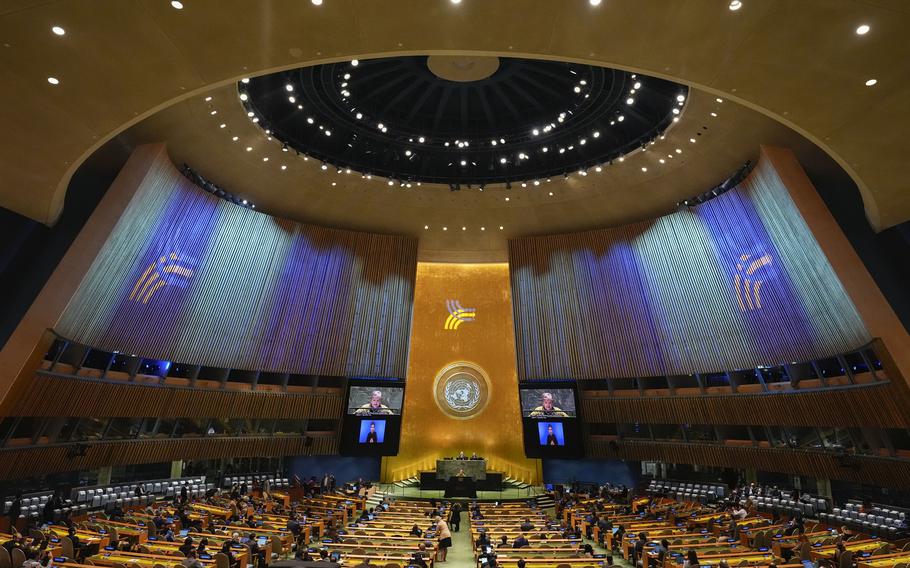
883,549
222,561
805,552
846,560
359,552
67,545
4,558
743,563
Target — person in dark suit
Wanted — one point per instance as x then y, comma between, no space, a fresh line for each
372,437
521,541
455,520
551,436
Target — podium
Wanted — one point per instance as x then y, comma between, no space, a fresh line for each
475,469
461,487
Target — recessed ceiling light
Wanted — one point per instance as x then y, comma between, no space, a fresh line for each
177,5
637,85
60,31
871,82
594,2
861,30
316,2
644,169
214,112
53,80
355,62
245,80
249,148
714,114
444,228
500,227
235,138
425,227
266,159
736,5
289,87
222,125
551,194
692,140
464,228
283,167
675,110
680,98
421,139
507,198
577,89
596,134
662,161
718,99
243,96
679,150
483,228
630,101
456,1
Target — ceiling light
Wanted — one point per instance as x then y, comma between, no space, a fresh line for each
407,152
545,149
502,140
292,100
596,134
214,112
355,62
60,31
393,183
177,5
692,140
316,2
714,114
249,148
464,228
598,169
421,139
445,228
679,151
675,110
594,2
283,167
637,85
425,227
535,132
500,227
630,101
222,125
502,160
309,120
536,182
483,228
464,163
871,82
718,99
53,80
289,87
456,1
577,89
328,132
235,138
620,118
662,161
265,159
583,141
736,5
680,98
644,169
245,201
243,96
507,198
862,30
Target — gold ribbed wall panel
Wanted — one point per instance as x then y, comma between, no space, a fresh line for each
57,396
861,469
38,460
882,405
488,341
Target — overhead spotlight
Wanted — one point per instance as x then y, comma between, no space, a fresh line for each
325,166
391,182
177,5
53,80
620,118
355,62
289,87
455,1
644,169
316,2
545,149
502,160
536,182
718,99
675,110
680,98
523,184
464,162
861,30
577,89
637,85
421,139
735,5
244,96
630,101
60,31
871,82
502,140
598,169
596,134
594,2
284,147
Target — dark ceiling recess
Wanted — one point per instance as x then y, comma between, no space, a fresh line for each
527,120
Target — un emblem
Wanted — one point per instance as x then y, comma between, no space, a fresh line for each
461,390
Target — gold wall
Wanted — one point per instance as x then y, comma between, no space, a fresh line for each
427,433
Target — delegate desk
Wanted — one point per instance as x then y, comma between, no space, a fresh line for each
475,469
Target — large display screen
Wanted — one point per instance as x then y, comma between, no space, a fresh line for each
375,400
547,403
372,431
371,425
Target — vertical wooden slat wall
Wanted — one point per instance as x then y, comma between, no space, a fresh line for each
660,297
249,291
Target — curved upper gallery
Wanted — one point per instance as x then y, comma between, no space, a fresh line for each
107,78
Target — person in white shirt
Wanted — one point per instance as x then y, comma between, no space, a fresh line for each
740,513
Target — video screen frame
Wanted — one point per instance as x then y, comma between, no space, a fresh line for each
551,432
547,402
374,426
375,400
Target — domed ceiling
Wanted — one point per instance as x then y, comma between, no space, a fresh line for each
462,121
